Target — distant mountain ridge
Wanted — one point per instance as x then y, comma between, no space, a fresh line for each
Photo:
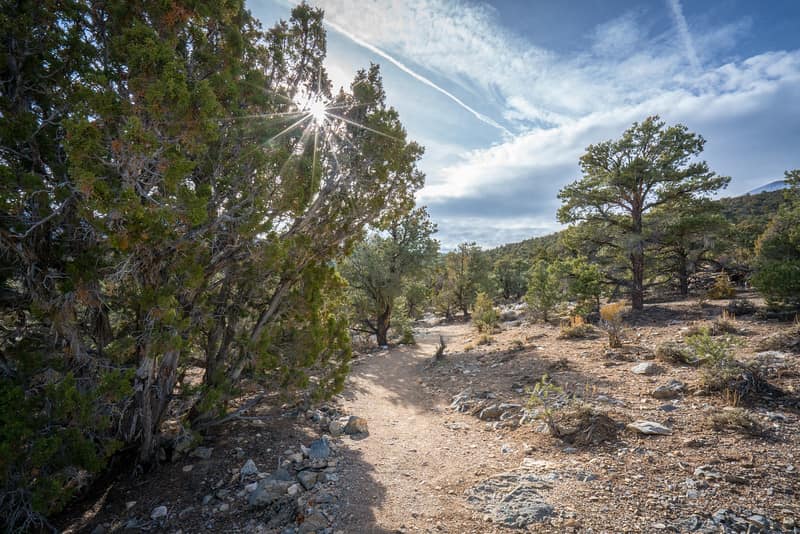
777,185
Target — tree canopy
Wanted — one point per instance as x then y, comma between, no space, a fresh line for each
651,166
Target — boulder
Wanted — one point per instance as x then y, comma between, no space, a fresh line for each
646,368
356,425
268,491
307,478
650,428
319,449
670,390
490,413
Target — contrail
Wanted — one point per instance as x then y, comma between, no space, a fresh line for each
372,48
683,31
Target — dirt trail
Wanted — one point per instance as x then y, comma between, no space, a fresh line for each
411,472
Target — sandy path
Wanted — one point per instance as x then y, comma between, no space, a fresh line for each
411,472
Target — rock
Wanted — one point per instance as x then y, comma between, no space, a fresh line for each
670,390
319,449
356,425
294,489
506,448
336,428
129,505
250,488
490,413
282,475
650,428
296,457
313,522
249,468
512,499
187,468
204,453
159,512
268,491
705,471
646,368
307,478
224,507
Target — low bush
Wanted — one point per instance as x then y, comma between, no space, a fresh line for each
484,314
611,322
672,352
722,288
577,328
737,420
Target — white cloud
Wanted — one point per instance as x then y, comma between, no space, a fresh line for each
559,103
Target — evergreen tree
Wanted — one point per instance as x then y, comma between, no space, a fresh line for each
649,167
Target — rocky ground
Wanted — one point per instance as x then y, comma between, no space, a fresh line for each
454,446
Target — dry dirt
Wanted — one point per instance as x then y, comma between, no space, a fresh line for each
415,470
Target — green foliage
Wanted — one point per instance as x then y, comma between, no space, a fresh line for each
402,323
722,288
387,266
584,281
649,167
545,396
510,277
777,275
484,314
463,273
167,203
545,290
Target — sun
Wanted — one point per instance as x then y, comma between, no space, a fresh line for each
317,111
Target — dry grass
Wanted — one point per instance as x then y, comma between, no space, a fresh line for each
485,339
737,420
672,352
611,319
577,328
584,426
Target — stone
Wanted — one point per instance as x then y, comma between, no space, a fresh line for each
159,512
512,499
356,425
249,468
224,507
319,448
313,522
650,428
250,488
646,368
204,453
490,413
336,428
670,390
307,478
268,491
294,489
706,471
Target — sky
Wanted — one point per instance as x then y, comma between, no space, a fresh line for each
506,95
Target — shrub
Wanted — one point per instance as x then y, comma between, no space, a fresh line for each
517,345
674,353
402,323
611,322
738,420
484,315
544,289
722,373
576,328
548,398
725,324
485,339
722,288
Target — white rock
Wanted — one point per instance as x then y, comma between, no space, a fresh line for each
646,368
650,428
158,512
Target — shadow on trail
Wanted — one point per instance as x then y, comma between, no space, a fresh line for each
361,494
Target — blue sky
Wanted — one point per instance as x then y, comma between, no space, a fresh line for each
506,95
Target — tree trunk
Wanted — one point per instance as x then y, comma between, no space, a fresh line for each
637,285
153,385
382,327
683,276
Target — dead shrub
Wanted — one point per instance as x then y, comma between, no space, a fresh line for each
611,322
722,288
672,352
726,324
786,341
584,426
737,420
577,328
